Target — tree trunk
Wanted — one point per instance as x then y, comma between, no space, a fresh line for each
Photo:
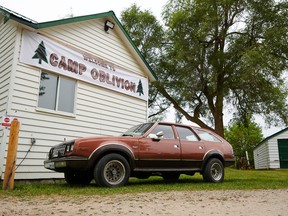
219,126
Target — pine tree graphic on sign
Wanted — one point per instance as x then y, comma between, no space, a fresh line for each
140,88
40,53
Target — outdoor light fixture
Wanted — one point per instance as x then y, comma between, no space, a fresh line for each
108,25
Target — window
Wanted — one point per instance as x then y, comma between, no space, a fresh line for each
186,134
205,135
166,129
56,92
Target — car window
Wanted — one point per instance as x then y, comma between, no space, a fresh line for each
186,134
205,135
166,129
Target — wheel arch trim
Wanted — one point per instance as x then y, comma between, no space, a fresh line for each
212,154
112,148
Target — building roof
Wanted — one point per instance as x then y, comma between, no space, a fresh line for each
272,136
9,14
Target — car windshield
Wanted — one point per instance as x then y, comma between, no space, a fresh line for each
138,130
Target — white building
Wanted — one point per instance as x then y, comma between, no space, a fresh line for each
272,152
64,79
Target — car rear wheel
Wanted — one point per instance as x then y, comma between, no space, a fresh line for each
213,171
112,170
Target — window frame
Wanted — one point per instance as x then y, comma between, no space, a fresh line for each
56,109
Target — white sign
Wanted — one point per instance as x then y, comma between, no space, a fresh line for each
45,53
6,121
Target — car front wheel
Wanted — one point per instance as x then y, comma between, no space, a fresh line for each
213,171
112,170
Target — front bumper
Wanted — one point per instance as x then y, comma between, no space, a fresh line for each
67,164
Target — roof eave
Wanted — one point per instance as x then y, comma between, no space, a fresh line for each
271,136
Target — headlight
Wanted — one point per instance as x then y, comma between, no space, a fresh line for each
60,164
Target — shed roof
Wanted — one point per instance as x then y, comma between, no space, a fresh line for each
9,14
272,136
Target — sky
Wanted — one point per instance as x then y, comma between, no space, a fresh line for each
42,11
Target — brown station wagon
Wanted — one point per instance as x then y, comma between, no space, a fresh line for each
165,149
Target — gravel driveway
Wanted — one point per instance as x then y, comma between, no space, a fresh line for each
230,202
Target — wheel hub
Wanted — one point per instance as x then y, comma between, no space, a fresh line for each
114,172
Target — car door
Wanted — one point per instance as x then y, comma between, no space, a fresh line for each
193,150
162,151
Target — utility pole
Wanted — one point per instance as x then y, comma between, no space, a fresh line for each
8,182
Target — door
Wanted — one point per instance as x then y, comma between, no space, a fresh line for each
193,150
283,152
162,151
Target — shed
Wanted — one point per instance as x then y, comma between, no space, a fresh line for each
65,79
272,152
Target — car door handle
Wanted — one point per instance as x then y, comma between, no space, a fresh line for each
176,146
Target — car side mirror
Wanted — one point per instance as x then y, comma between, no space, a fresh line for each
159,135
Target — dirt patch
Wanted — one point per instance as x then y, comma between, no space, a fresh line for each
235,202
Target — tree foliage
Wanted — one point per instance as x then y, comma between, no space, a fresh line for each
148,35
217,53
243,136
226,52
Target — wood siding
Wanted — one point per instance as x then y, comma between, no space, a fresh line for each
98,111
261,156
7,48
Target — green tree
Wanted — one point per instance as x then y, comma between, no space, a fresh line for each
243,136
222,52
147,34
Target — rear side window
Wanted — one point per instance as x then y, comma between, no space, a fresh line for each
205,135
186,134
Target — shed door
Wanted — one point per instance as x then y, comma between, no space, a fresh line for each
283,152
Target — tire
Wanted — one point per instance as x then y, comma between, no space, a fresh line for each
73,178
213,171
112,170
170,177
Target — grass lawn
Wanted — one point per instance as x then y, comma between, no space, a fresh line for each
234,180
